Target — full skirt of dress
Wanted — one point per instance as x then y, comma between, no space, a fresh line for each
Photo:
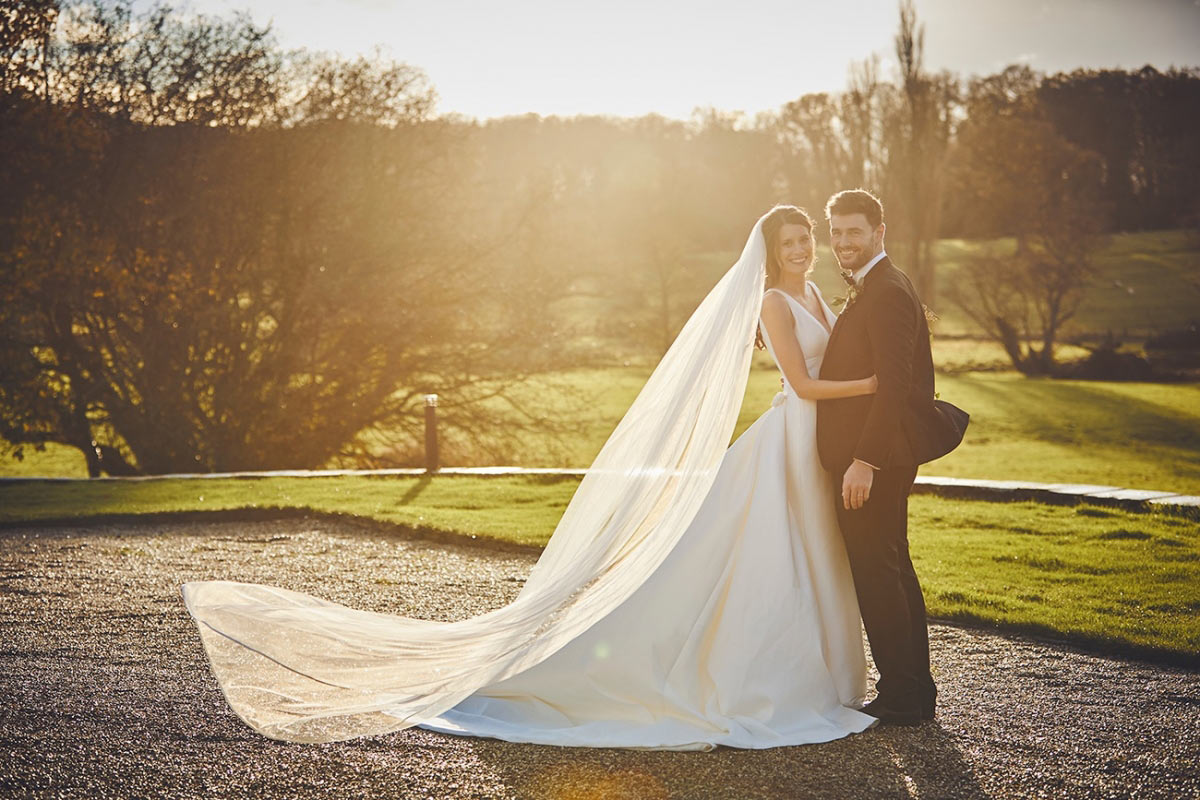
747,635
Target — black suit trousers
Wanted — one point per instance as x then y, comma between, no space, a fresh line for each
889,595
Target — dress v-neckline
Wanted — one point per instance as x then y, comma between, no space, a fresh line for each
827,328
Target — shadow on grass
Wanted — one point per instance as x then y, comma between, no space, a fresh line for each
145,523
1084,643
1049,410
413,493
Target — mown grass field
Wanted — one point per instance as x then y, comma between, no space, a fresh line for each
1137,435
1134,435
1099,576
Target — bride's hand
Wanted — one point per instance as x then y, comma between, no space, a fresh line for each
871,384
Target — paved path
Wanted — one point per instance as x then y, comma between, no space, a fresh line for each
105,692
1066,493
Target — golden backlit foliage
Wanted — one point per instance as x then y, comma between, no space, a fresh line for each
218,255
189,286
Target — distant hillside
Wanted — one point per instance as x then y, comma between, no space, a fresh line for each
1148,282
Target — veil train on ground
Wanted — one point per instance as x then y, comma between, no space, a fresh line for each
298,668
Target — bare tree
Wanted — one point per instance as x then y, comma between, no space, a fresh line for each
373,89
1044,192
921,130
25,31
862,121
159,67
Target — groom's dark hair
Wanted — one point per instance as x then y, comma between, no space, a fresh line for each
856,201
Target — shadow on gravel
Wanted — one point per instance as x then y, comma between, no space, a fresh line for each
882,763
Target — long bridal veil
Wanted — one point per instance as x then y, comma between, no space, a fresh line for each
299,668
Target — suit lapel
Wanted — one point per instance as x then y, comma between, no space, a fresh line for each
838,324
884,263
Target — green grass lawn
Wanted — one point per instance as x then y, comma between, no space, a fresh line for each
1138,435
1098,576
521,509
57,461
1135,435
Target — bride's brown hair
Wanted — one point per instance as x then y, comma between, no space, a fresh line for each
776,218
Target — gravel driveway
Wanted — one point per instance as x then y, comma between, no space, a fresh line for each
106,691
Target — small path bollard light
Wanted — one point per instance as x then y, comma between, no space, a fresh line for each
431,440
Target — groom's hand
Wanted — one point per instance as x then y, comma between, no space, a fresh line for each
856,485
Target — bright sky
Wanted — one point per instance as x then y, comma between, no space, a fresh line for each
624,57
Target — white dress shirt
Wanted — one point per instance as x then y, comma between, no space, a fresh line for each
861,272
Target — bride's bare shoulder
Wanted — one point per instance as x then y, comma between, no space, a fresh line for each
773,298
775,309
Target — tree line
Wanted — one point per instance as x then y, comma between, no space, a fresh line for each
218,254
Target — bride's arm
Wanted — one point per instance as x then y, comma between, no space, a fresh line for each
777,318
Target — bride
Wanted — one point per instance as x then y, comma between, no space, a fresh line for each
691,595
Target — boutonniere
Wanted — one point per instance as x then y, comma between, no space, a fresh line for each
853,290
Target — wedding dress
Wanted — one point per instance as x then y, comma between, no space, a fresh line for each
692,595
747,635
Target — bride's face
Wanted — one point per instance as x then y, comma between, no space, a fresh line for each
795,249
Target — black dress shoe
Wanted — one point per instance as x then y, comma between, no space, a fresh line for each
894,716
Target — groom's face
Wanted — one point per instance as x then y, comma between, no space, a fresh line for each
853,240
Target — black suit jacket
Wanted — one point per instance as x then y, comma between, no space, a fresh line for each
884,333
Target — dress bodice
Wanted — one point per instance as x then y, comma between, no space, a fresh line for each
809,332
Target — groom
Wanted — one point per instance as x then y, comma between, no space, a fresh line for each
872,445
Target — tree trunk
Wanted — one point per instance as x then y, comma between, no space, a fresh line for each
1012,345
81,438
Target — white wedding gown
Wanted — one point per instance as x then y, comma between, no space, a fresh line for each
747,635
692,594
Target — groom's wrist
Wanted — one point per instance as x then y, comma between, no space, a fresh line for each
864,463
